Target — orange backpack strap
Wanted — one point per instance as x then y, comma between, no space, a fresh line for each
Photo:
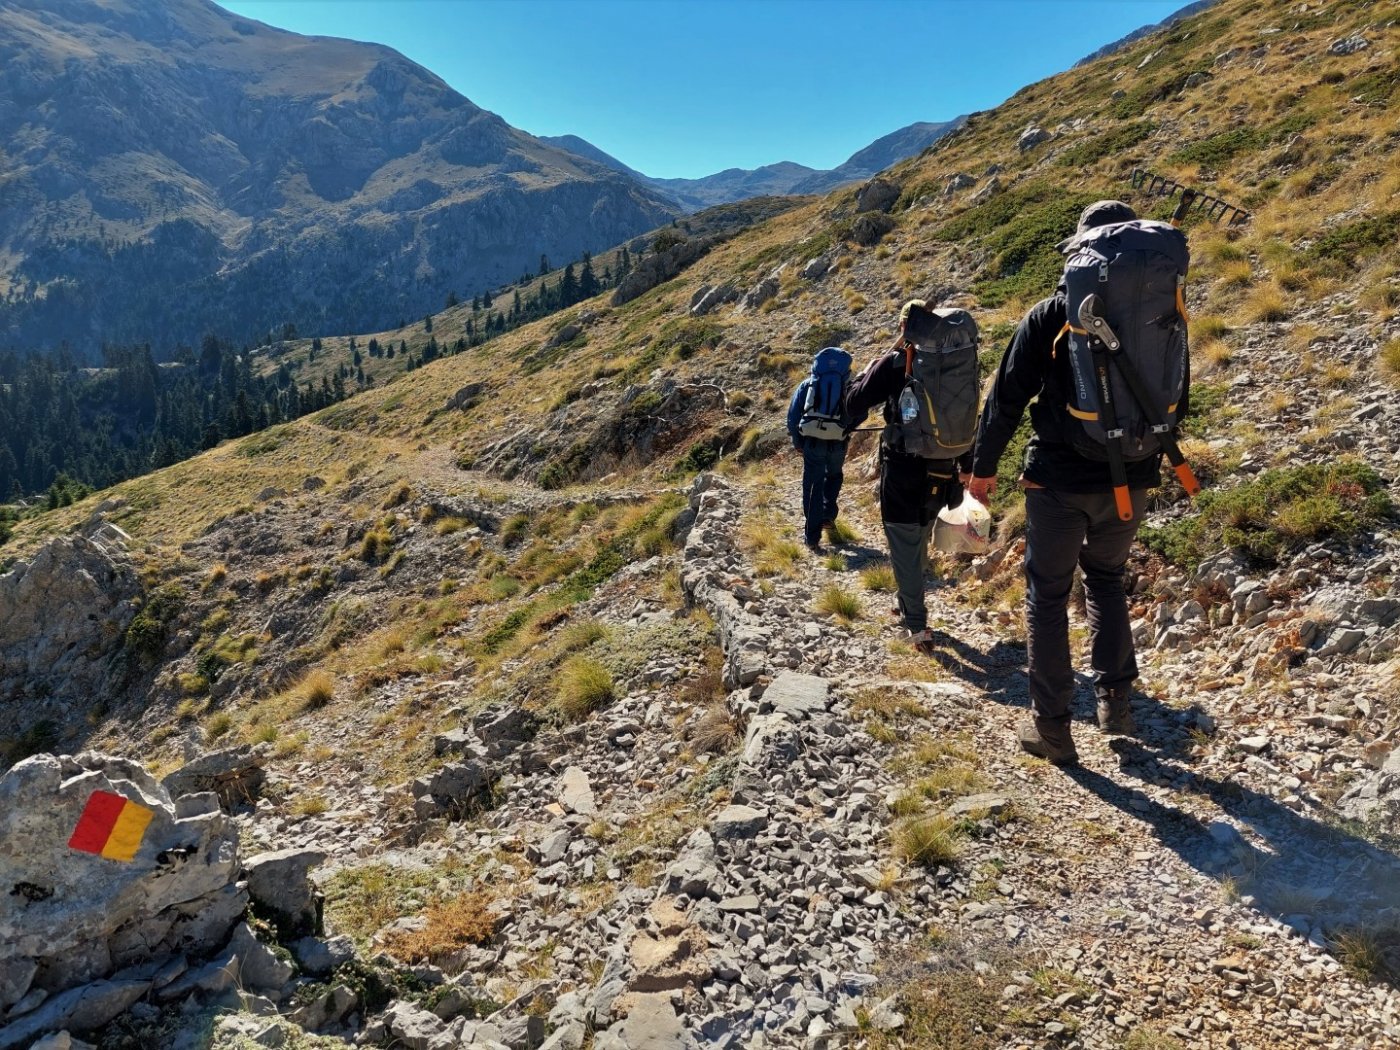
908,358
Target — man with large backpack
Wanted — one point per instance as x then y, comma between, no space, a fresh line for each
1104,361
817,424
928,385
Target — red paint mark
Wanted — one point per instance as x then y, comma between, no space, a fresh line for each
95,825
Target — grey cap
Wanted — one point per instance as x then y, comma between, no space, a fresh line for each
1102,213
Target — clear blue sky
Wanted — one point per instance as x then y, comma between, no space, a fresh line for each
685,88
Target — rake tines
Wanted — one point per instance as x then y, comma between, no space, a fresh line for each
1213,208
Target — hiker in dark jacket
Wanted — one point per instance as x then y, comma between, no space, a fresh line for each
1071,518
913,489
822,438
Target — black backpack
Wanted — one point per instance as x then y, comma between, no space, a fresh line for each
935,414
1125,334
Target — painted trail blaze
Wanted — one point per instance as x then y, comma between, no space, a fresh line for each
111,826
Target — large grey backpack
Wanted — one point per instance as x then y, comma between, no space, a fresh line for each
1137,271
936,412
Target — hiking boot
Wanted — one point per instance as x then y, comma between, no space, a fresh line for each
815,546
1115,713
923,641
829,530
1048,739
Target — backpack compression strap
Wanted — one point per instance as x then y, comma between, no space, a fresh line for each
1106,342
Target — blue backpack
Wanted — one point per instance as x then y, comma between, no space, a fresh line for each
824,411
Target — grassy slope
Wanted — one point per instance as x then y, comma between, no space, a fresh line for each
1275,131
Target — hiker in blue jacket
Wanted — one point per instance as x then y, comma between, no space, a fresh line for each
818,428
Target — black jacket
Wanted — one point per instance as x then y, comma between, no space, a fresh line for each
1032,373
880,384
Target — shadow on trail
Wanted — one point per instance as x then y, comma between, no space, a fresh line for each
1317,878
1000,673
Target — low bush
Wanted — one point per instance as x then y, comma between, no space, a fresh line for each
1277,512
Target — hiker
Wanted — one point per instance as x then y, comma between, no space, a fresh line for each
928,385
1086,490
817,425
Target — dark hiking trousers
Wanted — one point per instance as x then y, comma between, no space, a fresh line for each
822,466
912,492
1064,529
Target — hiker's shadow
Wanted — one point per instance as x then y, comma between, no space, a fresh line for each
1319,879
1000,673
997,671
858,556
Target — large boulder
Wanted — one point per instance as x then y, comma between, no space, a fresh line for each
63,615
877,195
235,775
106,873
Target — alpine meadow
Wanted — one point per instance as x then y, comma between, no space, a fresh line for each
418,628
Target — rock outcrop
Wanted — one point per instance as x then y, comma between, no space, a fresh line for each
63,614
107,888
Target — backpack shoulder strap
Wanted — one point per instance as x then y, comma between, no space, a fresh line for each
908,359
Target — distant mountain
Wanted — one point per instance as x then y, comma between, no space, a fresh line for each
1138,34
584,148
783,178
882,153
171,168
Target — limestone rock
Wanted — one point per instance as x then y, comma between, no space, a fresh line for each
83,1009
1349,45
82,915
877,195
234,774
713,299
280,882
1031,137
63,615
576,794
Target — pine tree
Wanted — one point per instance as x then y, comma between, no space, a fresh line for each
587,282
568,287
544,265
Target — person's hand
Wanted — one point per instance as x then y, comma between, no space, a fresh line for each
964,477
981,489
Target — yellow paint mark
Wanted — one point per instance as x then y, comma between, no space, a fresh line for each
127,832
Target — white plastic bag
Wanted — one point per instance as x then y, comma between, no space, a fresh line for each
964,529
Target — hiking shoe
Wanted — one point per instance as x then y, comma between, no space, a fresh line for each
815,546
829,530
1048,739
1115,713
923,641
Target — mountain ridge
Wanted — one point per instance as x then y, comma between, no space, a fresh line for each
245,189
781,177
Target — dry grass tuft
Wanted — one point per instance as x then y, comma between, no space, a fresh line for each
582,686
315,691
836,601
452,925
928,841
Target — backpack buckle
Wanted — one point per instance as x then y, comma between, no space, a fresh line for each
1120,432
1161,428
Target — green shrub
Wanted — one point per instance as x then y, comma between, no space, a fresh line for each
146,633
1352,242
1277,512
582,686
1214,151
1120,139
700,456
820,336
